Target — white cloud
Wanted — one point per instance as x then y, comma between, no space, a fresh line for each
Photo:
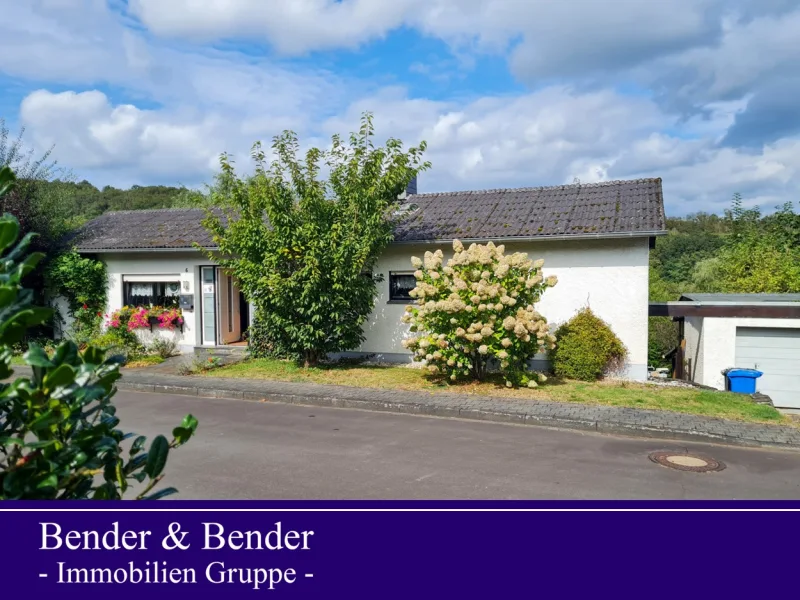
90,133
184,104
768,177
748,53
64,40
82,42
547,137
511,141
292,26
556,33
557,134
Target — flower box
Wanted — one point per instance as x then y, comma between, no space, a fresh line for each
133,318
157,323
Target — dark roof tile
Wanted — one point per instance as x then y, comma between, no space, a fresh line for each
608,208
614,207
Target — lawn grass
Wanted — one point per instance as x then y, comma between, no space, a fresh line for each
144,361
609,393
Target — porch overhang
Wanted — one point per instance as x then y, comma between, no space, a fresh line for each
762,310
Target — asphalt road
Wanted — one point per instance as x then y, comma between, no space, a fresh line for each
251,450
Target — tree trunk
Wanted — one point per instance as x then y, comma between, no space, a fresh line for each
478,367
310,359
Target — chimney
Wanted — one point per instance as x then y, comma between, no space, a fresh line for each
411,189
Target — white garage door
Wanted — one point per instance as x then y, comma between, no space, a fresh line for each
776,353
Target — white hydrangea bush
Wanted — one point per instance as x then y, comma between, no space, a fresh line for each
478,311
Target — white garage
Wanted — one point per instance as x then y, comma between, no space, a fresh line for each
776,353
748,331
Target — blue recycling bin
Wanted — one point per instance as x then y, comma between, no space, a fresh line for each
743,381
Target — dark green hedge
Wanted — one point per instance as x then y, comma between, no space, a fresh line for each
586,348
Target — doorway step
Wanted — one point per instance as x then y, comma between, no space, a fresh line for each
226,354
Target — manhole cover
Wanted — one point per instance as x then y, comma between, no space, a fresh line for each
687,462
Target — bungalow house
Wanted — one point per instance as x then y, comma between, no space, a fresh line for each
595,238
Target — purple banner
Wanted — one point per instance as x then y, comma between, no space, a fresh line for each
395,549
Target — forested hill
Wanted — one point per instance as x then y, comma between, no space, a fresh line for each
82,201
740,252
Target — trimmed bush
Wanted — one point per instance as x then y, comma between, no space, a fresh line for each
586,348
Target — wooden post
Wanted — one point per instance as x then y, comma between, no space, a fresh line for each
680,354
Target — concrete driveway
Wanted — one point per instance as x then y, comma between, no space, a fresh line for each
251,450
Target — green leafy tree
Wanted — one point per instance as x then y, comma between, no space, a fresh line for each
662,331
36,206
40,203
59,434
762,254
677,254
757,266
21,162
301,247
83,282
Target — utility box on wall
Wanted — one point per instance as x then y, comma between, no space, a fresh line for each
187,302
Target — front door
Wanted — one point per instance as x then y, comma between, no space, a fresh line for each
209,305
230,326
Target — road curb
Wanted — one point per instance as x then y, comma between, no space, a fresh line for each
481,414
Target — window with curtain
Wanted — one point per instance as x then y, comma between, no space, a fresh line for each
400,284
153,293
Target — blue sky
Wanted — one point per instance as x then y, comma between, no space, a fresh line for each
507,93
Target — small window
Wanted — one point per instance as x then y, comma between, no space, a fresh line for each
152,293
400,284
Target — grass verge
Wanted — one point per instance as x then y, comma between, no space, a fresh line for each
609,393
144,361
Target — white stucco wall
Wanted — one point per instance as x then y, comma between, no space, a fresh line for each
716,349
63,319
611,276
184,265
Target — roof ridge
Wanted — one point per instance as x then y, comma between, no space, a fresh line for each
149,210
543,187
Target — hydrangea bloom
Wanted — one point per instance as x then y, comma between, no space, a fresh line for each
478,310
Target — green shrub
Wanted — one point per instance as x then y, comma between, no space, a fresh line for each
163,347
120,341
662,338
86,325
83,282
261,344
586,348
59,434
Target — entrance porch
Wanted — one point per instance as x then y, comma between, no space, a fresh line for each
224,315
